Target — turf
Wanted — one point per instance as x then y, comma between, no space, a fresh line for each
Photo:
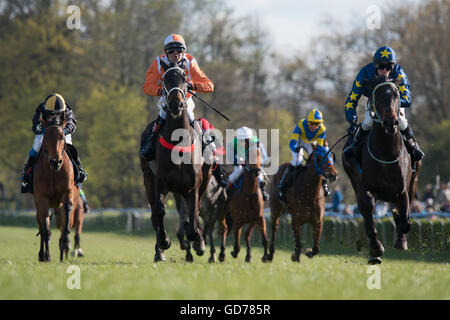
120,266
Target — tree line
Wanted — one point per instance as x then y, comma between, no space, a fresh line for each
100,69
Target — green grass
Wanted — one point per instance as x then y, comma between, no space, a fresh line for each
120,266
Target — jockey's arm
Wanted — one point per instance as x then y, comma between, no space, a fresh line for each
404,88
353,97
200,80
71,124
295,136
153,82
37,119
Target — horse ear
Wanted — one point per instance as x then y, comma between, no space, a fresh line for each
164,65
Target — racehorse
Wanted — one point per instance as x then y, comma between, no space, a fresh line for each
213,209
305,199
385,172
188,177
54,187
246,206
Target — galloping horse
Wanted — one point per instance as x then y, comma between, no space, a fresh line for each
53,185
385,172
305,199
187,178
246,206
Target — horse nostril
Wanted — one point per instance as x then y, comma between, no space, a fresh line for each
60,162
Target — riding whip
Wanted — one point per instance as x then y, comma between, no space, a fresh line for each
209,105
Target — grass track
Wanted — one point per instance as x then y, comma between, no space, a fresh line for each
119,266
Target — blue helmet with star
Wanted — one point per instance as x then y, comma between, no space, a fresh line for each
384,55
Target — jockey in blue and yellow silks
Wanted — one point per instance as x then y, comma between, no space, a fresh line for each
384,63
308,131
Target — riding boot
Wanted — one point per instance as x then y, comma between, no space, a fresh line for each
220,175
25,176
147,150
262,186
82,174
411,145
325,188
285,182
358,142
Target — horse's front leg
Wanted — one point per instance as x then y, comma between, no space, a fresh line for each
224,232
366,204
44,230
402,222
162,240
194,231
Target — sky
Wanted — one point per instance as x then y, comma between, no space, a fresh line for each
293,23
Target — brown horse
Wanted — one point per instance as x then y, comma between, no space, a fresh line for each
386,171
246,206
305,199
188,176
53,185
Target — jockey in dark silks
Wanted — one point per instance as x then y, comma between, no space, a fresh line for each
54,104
384,63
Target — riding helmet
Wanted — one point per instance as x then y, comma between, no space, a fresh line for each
315,116
384,55
55,103
173,41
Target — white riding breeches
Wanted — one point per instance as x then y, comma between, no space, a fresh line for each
367,122
298,157
190,108
238,170
37,143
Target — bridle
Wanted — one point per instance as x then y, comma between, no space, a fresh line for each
175,88
376,117
44,149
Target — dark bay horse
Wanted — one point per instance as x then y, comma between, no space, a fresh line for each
180,167
305,199
213,209
53,185
246,206
386,172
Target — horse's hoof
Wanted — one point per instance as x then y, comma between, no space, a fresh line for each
221,257
159,257
212,259
294,258
266,258
234,254
189,258
165,244
248,259
378,251
374,260
401,245
199,247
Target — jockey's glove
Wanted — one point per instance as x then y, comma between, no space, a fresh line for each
352,129
38,129
190,86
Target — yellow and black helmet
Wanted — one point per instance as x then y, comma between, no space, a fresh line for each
55,103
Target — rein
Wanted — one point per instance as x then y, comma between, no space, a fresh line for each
375,158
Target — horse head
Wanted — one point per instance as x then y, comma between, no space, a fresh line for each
53,144
385,103
252,158
174,88
323,162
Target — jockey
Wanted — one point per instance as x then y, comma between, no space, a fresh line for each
174,53
238,158
309,130
384,63
53,104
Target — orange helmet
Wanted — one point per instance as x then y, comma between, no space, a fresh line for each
174,41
